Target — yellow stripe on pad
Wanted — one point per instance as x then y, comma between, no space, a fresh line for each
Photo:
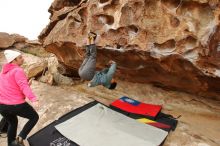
144,120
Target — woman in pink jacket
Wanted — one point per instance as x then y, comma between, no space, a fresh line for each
14,88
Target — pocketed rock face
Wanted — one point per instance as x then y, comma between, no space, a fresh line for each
170,43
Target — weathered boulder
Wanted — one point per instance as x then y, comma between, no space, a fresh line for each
36,69
170,43
18,38
47,78
6,40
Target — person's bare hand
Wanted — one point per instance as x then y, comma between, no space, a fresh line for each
36,104
111,62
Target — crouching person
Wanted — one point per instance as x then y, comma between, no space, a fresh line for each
14,88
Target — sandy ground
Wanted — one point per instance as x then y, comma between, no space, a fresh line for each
199,124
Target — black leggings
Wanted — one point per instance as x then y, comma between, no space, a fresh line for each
10,113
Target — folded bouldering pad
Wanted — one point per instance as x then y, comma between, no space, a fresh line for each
135,109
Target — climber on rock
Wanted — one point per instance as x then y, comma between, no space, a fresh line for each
87,70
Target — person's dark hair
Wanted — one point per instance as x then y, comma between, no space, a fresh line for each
113,86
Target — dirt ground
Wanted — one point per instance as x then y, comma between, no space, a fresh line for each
199,124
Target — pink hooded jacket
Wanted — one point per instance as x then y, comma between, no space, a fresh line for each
14,85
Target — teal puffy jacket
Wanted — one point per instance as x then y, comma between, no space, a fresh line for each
103,77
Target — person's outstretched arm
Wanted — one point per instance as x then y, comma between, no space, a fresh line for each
22,82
